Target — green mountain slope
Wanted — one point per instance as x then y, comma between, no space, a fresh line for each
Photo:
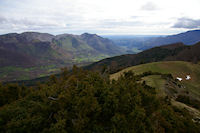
31,54
170,86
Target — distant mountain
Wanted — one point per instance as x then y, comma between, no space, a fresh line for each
146,42
42,53
173,52
25,49
188,38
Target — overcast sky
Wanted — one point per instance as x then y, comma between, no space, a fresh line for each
116,17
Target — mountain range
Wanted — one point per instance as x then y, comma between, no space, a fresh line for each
38,54
138,43
31,54
171,52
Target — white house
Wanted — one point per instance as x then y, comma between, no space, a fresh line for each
180,79
188,77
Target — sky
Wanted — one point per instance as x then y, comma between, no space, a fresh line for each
103,17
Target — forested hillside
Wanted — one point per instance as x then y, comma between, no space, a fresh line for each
172,52
84,101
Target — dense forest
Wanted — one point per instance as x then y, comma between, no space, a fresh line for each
85,101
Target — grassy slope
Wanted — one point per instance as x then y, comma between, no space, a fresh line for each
176,68
157,82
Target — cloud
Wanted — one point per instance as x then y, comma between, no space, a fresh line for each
29,24
78,16
2,20
187,23
111,23
149,6
136,17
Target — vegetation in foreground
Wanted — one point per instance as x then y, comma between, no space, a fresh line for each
84,101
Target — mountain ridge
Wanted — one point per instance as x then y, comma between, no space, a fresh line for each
34,50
